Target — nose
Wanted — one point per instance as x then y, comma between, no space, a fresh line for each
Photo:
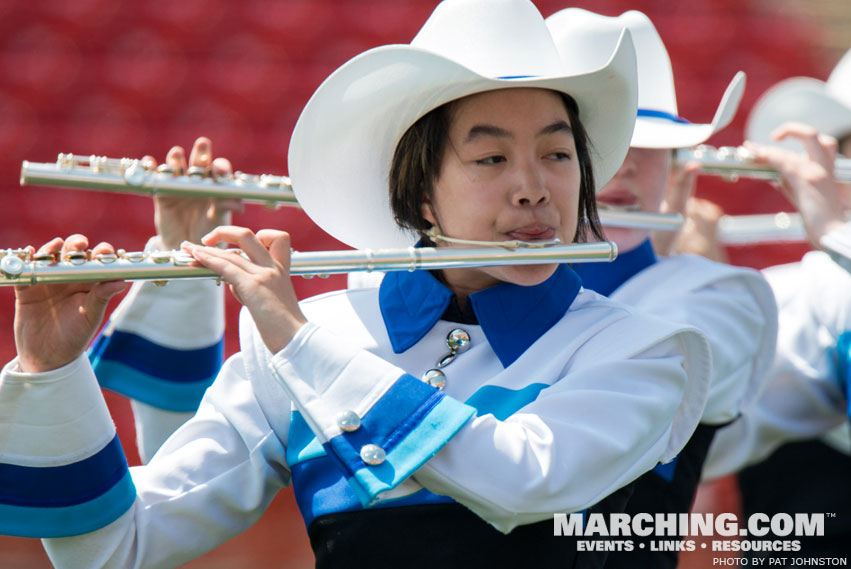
530,188
628,167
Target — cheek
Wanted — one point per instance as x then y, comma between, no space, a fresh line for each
652,190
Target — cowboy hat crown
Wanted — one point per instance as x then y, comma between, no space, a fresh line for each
658,123
344,141
825,106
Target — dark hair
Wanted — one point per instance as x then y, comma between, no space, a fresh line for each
419,154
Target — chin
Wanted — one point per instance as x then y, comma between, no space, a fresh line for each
626,239
525,275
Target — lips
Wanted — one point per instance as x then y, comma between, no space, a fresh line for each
621,199
532,233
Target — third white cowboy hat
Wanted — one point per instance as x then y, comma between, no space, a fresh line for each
826,106
659,124
343,143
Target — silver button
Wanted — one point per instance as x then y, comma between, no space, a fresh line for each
445,360
458,341
435,378
373,455
348,421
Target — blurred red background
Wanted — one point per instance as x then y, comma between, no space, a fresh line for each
121,78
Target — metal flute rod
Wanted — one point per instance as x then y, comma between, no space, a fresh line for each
761,228
735,162
639,219
20,267
130,175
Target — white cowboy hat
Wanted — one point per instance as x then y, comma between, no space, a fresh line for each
343,143
659,125
826,106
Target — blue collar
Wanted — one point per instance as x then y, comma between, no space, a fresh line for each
512,317
605,278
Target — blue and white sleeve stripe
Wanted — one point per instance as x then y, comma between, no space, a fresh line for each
62,469
164,345
400,421
167,378
65,500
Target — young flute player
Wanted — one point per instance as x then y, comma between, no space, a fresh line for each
440,420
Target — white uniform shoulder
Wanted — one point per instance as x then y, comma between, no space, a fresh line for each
735,309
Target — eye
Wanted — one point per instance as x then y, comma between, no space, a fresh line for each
559,156
490,160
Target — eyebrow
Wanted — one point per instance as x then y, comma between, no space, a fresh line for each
498,132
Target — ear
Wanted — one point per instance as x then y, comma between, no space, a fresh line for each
427,211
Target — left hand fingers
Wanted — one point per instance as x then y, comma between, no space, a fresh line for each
278,243
201,155
819,147
681,185
244,239
229,264
221,167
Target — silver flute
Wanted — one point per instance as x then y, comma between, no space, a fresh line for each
135,176
736,162
131,175
23,267
781,227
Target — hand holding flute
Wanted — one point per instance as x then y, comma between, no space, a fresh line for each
261,282
179,219
55,323
808,180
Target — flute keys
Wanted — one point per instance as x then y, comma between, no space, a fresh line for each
11,266
76,257
135,175
45,258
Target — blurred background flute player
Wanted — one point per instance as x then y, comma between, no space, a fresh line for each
732,306
327,394
799,425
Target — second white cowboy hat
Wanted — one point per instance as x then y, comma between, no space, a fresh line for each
343,143
659,125
825,106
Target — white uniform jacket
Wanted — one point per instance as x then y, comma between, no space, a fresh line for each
567,395
805,396
735,309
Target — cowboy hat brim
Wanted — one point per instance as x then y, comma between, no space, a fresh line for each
343,143
671,132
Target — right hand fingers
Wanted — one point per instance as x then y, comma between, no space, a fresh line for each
176,160
202,153
819,147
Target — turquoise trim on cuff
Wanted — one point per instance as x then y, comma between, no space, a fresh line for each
22,521
302,444
435,430
169,395
843,355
